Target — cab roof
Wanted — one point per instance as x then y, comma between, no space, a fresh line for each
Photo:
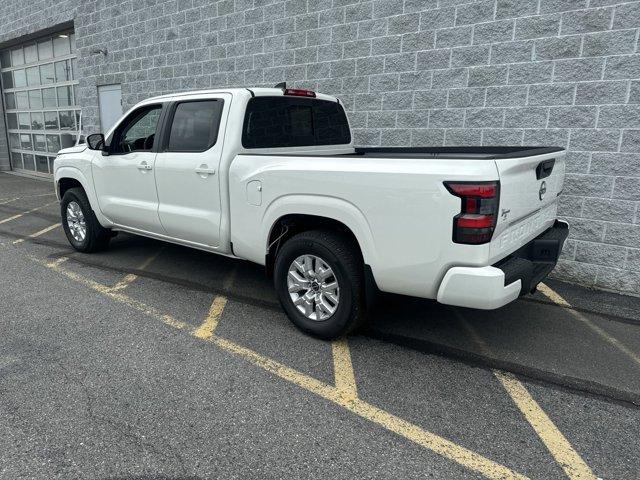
257,91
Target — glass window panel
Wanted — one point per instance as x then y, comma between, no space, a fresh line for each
25,141
51,160
14,140
63,71
16,160
12,121
47,74
17,57
64,96
45,49
42,164
67,140
51,120
33,76
19,78
195,126
7,80
30,53
66,120
49,97
39,143
24,122
138,130
61,45
37,121
35,98
10,101
22,100
5,58
78,113
28,161
53,143
72,40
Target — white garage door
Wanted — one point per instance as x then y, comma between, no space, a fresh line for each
39,87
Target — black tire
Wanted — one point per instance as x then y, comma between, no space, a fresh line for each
343,256
97,237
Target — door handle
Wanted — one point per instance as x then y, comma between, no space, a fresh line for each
144,166
205,170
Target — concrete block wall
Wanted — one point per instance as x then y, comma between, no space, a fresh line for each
417,72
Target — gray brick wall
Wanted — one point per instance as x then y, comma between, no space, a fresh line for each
411,72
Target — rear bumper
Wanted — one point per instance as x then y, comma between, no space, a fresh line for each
493,286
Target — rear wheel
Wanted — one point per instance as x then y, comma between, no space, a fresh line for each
319,281
80,224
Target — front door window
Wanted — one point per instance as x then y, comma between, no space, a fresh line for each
137,132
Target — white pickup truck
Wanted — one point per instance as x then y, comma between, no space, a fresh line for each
271,175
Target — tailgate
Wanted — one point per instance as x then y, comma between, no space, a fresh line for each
529,189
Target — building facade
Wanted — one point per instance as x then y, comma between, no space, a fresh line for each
410,72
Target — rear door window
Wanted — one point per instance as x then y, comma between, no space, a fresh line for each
294,122
195,125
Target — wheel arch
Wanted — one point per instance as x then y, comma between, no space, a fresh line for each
296,213
70,177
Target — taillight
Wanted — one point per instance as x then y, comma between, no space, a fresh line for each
299,92
476,221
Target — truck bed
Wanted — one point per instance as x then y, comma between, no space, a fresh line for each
441,153
462,153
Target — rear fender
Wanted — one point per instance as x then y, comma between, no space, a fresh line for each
322,206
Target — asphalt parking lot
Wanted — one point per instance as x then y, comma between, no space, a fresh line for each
155,361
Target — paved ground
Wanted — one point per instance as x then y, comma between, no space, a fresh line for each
160,362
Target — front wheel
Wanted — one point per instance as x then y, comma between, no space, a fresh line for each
319,281
80,224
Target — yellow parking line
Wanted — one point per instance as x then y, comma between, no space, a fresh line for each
558,299
574,467
37,234
55,263
343,368
131,277
5,220
407,430
205,331
9,200
108,291
388,421
556,443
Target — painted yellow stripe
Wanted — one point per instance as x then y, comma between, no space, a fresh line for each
56,262
558,299
407,430
343,368
132,277
9,200
108,291
388,421
5,220
205,331
37,234
556,443
570,461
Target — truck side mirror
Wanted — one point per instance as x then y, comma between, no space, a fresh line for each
95,141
